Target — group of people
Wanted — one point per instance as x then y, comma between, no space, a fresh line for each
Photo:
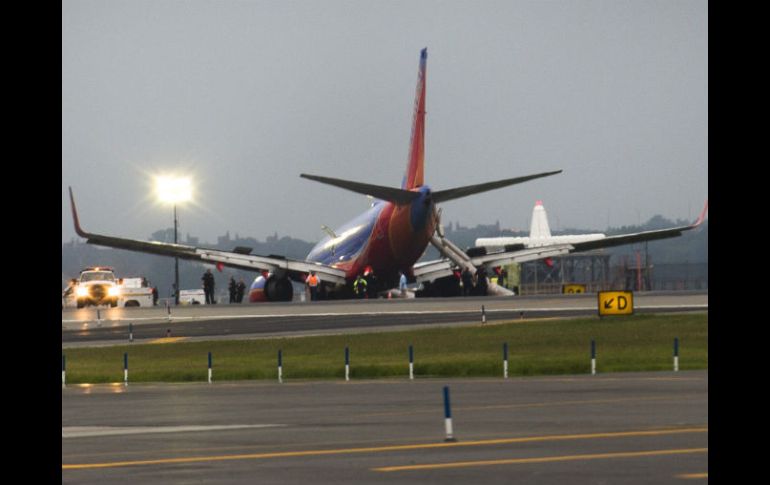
363,286
476,283
236,290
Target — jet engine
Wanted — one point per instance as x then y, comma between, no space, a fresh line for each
271,288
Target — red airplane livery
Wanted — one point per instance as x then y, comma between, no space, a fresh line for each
389,237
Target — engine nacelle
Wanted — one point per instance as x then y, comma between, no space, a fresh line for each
445,286
271,288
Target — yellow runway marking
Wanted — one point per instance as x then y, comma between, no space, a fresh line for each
167,340
693,476
545,459
379,449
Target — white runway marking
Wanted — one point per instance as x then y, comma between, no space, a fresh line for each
397,312
91,431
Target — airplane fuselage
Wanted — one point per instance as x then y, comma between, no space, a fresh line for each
388,237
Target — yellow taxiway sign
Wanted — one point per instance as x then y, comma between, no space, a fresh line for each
616,303
573,288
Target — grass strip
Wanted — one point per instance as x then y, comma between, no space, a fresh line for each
535,347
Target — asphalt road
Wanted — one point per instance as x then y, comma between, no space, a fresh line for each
111,325
614,428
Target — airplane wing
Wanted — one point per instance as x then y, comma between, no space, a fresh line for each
235,259
454,257
522,255
603,242
620,239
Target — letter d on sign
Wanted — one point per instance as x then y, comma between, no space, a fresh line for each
622,303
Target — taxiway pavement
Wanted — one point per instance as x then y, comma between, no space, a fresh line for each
110,326
613,428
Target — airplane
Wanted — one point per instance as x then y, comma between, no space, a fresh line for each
540,236
389,237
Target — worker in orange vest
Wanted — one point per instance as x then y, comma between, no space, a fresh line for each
312,283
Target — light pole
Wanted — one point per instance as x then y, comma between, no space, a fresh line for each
176,260
174,190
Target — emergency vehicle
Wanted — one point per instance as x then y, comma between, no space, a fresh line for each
95,286
134,292
98,286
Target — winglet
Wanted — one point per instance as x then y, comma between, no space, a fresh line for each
75,218
702,215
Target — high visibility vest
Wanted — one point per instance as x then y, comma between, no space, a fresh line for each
359,285
312,280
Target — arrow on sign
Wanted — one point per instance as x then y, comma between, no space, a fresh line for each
608,303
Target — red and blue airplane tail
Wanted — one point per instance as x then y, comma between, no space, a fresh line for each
415,169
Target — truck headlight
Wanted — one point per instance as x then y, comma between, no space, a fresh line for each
81,291
113,291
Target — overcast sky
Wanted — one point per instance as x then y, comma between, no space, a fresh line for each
243,96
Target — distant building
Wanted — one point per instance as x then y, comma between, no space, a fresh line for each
224,241
163,235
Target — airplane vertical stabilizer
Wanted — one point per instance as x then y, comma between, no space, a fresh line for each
538,228
415,173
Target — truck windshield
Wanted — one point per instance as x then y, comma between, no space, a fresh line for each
97,276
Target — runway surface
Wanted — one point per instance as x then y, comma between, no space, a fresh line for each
111,325
614,428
